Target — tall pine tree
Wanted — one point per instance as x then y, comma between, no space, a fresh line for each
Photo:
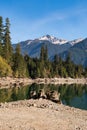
1,36
7,42
19,66
42,53
46,54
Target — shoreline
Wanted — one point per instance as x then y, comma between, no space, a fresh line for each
38,114
6,82
61,81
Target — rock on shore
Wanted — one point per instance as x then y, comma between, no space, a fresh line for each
6,82
41,114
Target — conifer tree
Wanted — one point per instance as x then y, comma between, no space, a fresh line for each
56,59
18,49
42,54
46,54
7,42
19,67
1,36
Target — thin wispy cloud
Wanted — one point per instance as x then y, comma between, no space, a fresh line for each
47,19
31,19
57,17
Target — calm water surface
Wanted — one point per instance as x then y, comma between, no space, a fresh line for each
72,95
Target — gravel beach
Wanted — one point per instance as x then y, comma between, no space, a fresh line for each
41,114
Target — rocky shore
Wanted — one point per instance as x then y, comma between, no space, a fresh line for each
41,114
7,82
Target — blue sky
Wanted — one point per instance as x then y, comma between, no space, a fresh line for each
31,19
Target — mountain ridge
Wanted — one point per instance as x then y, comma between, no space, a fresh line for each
77,49
54,40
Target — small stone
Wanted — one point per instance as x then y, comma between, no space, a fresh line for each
35,105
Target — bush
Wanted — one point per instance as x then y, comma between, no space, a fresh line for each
5,69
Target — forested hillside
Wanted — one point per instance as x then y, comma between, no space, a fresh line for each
14,64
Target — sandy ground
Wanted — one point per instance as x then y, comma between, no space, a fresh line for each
41,115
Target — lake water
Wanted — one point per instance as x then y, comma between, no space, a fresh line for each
72,95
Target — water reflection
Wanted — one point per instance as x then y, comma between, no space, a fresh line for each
72,95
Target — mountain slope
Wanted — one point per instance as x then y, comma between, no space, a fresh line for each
54,45
77,49
78,53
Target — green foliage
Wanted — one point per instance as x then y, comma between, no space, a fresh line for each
44,68
7,42
5,69
19,67
1,35
1,30
24,66
44,54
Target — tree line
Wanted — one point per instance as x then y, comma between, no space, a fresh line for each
14,64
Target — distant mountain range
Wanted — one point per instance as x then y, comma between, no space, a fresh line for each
77,49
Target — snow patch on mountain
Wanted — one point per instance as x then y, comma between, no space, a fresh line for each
76,41
53,40
29,42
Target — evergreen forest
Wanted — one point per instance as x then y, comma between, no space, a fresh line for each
14,64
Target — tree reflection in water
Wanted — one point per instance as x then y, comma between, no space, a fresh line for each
72,95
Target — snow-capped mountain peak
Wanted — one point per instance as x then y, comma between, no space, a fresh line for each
53,39
76,41
46,37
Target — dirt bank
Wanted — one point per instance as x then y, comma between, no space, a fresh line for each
41,115
7,82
